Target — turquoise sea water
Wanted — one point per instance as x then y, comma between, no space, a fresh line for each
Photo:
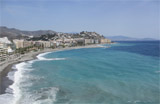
125,73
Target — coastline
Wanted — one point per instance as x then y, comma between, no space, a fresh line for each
7,67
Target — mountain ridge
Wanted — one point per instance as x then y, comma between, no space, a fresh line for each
12,33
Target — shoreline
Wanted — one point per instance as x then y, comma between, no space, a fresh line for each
7,67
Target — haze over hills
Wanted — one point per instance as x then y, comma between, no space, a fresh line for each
13,33
125,38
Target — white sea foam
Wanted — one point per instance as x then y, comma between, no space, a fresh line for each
48,59
10,75
45,95
18,75
6,98
15,86
31,62
103,46
41,57
17,78
41,96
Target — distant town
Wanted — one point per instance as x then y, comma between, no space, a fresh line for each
14,47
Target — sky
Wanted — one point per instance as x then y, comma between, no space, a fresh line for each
132,18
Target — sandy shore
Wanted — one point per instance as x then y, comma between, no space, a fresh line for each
7,66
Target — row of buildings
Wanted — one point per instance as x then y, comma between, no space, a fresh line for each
59,42
7,47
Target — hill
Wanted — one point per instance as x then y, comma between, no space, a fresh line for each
13,33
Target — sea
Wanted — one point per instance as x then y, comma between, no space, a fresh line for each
121,73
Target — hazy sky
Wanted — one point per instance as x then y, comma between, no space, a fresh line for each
134,18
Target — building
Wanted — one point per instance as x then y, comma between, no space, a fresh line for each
2,45
96,41
80,41
105,41
22,43
53,44
18,43
9,50
47,44
3,54
89,41
27,43
59,42
4,42
69,42
44,44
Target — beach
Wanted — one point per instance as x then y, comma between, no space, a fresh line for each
7,67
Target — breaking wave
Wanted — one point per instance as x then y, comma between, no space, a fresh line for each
19,76
41,57
21,96
17,80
